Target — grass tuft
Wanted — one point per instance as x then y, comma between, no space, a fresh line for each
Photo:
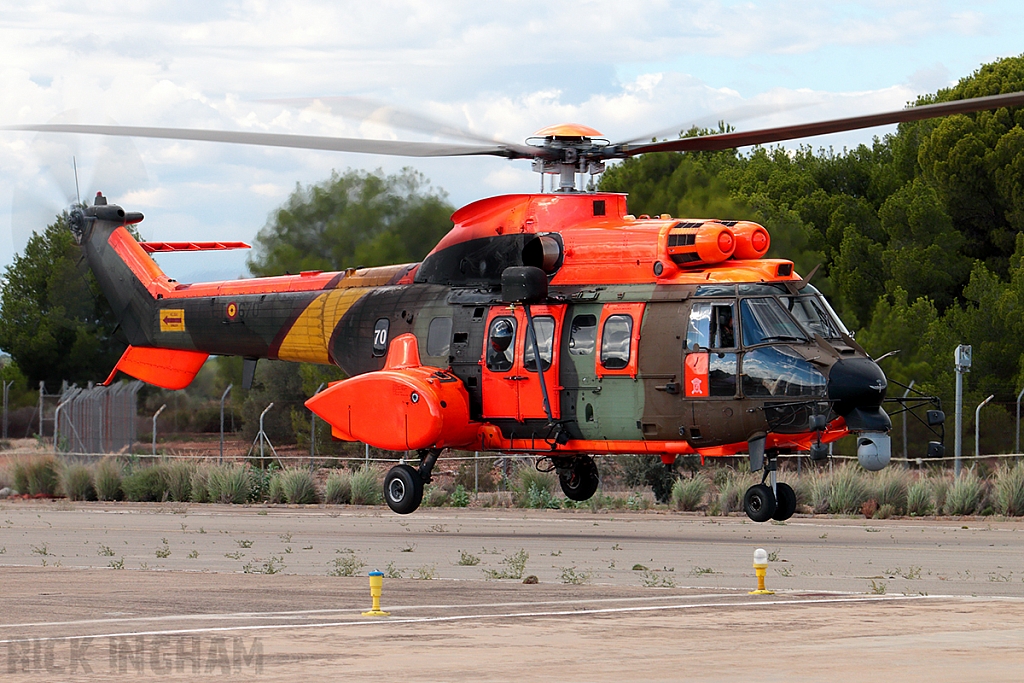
689,494
179,481
146,484
919,499
965,495
1009,490
366,486
76,482
229,484
338,489
298,486
107,479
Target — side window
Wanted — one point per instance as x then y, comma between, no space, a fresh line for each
583,335
615,339
545,326
711,326
501,344
380,336
439,336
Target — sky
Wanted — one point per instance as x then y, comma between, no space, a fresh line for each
499,69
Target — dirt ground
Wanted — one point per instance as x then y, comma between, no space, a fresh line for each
621,595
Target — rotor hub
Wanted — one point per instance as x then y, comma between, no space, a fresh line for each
568,149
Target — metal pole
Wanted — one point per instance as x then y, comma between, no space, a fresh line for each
1017,444
367,450
476,473
155,416
222,397
977,425
42,389
312,429
263,435
962,357
906,456
56,422
6,391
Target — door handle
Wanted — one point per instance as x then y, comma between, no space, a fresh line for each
516,378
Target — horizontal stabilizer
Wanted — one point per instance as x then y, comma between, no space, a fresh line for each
165,368
164,247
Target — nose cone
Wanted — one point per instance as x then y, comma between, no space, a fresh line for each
856,383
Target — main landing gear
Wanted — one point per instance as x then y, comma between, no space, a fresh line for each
771,499
403,484
578,478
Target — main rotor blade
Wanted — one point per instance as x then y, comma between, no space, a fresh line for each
366,110
390,147
708,143
734,115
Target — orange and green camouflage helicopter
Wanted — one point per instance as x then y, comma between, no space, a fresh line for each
553,324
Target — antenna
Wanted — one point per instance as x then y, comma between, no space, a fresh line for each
78,195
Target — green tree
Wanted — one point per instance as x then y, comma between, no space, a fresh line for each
54,322
353,219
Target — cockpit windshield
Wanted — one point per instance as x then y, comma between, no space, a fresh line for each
809,310
765,320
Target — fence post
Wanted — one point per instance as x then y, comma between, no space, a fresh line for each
222,397
155,416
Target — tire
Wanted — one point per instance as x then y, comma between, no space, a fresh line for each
759,503
785,502
582,480
403,489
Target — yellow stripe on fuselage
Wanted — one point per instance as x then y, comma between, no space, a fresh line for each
309,337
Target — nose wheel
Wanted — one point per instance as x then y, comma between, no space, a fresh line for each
403,484
771,499
579,481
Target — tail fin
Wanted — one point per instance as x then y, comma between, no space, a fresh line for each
129,278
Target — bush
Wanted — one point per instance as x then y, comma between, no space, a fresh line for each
649,470
940,488
538,498
275,490
179,480
229,484
459,497
688,494
37,475
965,495
891,487
297,486
467,474
1009,490
338,489
199,485
107,479
919,499
434,497
146,484
846,490
528,477
730,494
76,482
366,486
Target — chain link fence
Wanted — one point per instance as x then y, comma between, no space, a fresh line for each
97,419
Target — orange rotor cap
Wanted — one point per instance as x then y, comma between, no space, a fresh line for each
567,130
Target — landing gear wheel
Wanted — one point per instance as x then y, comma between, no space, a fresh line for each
580,482
785,502
403,489
759,503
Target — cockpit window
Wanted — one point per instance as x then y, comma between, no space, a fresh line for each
545,326
765,320
712,326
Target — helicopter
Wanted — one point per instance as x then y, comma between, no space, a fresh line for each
552,324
